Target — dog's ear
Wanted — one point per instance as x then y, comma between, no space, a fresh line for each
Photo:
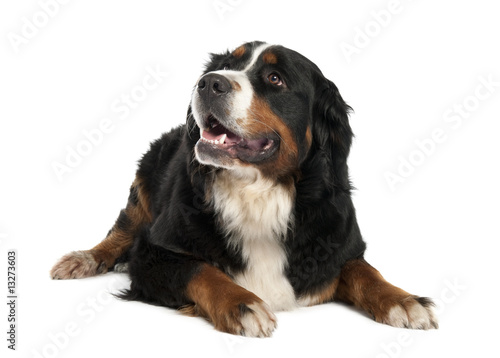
332,134
215,62
331,127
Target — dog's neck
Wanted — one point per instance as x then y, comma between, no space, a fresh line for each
252,206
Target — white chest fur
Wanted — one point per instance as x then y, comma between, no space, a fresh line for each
256,214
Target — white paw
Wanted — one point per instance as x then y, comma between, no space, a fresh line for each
414,312
121,267
257,320
77,264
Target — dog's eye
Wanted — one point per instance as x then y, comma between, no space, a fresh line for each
226,67
275,79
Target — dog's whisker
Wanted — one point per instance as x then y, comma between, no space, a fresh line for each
272,129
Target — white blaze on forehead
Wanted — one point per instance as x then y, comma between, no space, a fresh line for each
242,99
256,53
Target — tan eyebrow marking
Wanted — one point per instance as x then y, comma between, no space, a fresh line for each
270,58
240,51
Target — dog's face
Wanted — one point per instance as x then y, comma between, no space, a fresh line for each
256,107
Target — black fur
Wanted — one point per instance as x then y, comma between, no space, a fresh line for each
184,232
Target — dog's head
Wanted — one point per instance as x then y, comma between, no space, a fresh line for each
266,107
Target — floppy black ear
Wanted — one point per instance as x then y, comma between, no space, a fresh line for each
215,62
331,126
332,134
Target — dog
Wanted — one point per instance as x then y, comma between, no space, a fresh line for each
246,209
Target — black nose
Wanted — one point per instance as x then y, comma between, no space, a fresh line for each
213,85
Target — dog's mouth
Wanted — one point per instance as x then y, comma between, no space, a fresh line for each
218,141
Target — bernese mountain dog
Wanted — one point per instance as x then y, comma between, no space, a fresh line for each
246,209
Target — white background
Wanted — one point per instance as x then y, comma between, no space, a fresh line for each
434,234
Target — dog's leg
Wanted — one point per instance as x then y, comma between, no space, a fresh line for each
362,285
173,279
323,295
230,307
166,278
98,260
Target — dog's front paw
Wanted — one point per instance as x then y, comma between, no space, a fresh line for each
230,307
253,318
77,264
411,312
256,320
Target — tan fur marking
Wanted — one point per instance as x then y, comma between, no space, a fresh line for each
324,295
240,51
261,121
309,137
118,241
270,58
229,307
362,285
144,200
112,247
236,86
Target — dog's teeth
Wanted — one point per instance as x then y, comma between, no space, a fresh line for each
216,141
222,139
